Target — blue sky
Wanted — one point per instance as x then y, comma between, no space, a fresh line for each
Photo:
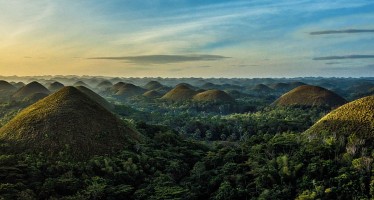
180,38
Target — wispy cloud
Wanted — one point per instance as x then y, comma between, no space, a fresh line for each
344,57
332,63
346,31
163,59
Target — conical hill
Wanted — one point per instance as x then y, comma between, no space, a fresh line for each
68,121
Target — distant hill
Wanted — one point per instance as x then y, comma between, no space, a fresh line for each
261,88
104,84
210,86
308,95
181,92
96,97
30,89
356,117
117,86
284,87
152,94
153,85
70,121
35,97
296,84
55,86
18,84
129,90
6,87
80,83
213,96
6,91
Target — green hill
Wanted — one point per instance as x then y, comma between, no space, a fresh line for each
30,89
180,93
307,95
69,121
213,96
356,117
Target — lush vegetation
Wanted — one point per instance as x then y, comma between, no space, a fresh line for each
242,149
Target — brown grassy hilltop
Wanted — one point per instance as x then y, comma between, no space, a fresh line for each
356,117
213,96
180,93
114,89
308,95
68,120
29,89
129,90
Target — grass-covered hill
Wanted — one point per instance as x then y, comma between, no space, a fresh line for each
96,97
152,94
114,89
356,117
55,86
180,93
68,121
153,85
308,95
213,96
129,90
30,89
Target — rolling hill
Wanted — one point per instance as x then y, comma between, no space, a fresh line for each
213,96
129,90
356,117
180,93
30,89
307,95
68,121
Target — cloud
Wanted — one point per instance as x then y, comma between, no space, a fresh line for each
342,31
366,68
163,59
332,63
344,57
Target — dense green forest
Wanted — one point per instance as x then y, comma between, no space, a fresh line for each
246,149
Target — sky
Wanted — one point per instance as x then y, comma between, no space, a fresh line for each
187,38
